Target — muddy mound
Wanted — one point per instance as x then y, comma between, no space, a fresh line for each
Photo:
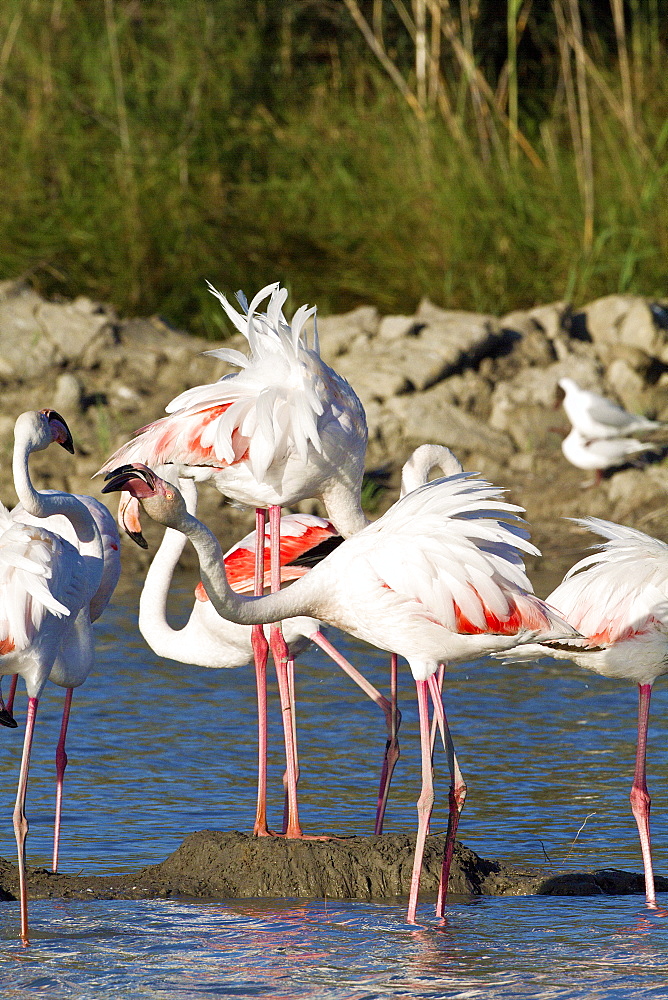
210,864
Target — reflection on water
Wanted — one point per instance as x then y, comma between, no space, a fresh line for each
158,750
555,948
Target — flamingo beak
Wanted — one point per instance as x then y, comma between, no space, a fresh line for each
61,432
138,481
137,476
128,518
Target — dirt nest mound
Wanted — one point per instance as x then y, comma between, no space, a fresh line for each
215,865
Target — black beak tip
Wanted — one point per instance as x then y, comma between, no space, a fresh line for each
138,538
115,482
7,719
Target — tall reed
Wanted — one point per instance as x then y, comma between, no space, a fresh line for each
370,151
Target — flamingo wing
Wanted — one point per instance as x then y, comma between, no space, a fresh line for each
619,590
40,574
62,526
452,552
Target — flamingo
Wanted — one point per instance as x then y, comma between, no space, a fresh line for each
208,640
47,588
595,416
617,598
438,578
601,453
74,663
284,428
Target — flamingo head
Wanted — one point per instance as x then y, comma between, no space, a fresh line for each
42,427
161,501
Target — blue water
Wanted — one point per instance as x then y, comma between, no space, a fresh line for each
158,750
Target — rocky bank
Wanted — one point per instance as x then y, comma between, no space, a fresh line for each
485,386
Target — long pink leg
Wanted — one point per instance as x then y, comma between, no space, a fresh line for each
61,764
260,653
12,694
456,796
640,797
392,719
291,689
457,793
20,819
426,800
280,654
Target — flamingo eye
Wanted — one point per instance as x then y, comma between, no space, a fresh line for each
169,496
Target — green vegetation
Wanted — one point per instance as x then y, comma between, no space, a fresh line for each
487,155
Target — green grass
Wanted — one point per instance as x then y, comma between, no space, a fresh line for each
196,157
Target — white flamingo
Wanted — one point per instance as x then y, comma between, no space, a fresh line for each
74,662
286,427
47,589
208,640
617,598
438,578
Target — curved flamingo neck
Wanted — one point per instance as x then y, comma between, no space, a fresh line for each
424,459
344,508
293,601
153,624
45,504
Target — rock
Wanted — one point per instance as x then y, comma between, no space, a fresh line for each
337,333
428,416
79,331
627,384
428,350
547,320
68,395
633,492
24,350
394,327
624,321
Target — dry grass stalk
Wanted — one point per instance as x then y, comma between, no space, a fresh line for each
479,109
624,66
585,126
513,103
376,45
434,52
420,15
8,44
569,92
467,63
610,98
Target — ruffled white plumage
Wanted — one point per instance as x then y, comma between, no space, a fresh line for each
619,590
32,583
277,431
62,526
439,577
